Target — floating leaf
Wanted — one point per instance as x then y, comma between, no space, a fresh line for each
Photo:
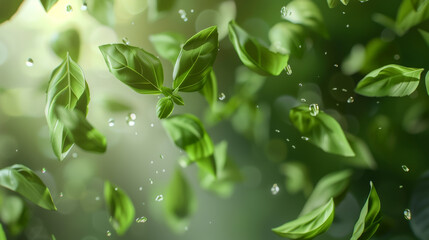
209,91
419,206
8,9
287,38
164,107
322,131
369,219
48,4
135,67
309,225
103,11
120,208
167,44
159,8
253,55
53,237
195,60
391,80
14,213
22,180
66,41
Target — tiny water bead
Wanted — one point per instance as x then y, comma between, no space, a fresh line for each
348,25
116,189
275,189
182,14
84,7
141,219
69,8
277,130
405,168
140,188
29,62
152,125
396,57
303,100
344,90
159,198
293,146
111,122
222,96
43,170
285,12
74,155
350,100
336,65
97,198
131,119
407,214
288,70
401,186
161,156
126,41
108,233
150,181
314,109
61,194
305,138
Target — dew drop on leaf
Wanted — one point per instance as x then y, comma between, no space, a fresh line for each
275,189
303,100
151,125
348,25
111,122
140,188
69,8
74,155
401,186
300,84
405,168
126,41
407,214
314,109
141,219
29,62
336,65
222,96
344,90
350,100
293,146
150,181
159,198
344,13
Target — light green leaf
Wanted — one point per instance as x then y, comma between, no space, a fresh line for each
309,225
67,88
66,41
164,107
419,206
159,8
370,217
135,67
48,4
391,80
332,186
306,13
209,91
103,11
82,132
322,131
8,9
195,60
14,213
253,54
167,44
53,237
188,133
408,17
24,181
2,234
120,208
288,38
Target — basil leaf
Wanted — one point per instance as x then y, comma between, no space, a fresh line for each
419,206
164,107
306,13
48,4
103,11
159,8
24,181
391,80
53,237
67,88
120,208
66,41
209,91
188,133
82,132
309,225
370,217
2,234
287,38
9,9
322,131
180,201
15,214
167,44
408,17
195,60
332,186
253,55
135,67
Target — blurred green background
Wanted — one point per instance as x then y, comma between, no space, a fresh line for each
395,129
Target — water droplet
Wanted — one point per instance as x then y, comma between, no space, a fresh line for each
344,13
326,53
192,10
378,102
16,150
277,130
126,41
186,228
140,188
69,8
111,122
182,14
275,189
314,109
405,168
222,96
29,62
396,57
141,219
350,100
116,189
335,65
97,198
401,186
150,181
151,125
156,172
130,119
303,100
305,138
407,214
334,89
159,198
132,23
300,84
163,170
344,90
108,233
288,70
379,128
61,194
348,25
161,156
285,12
287,140
84,7
43,170
293,146
74,155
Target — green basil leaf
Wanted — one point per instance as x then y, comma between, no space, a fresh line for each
120,208
24,181
48,4
164,107
391,80
209,91
309,225
167,44
103,11
82,132
333,185
2,234
180,201
287,38
159,8
15,214
419,206
195,60
377,54
66,41
8,9
306,13
322,131
135,67
253,54
408,17
188,133
67,88
370,217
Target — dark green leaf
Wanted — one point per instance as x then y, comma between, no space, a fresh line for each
8,9
14,213
22,180
103,11
322,131
333,185
167,44
2,234
425,36
195,60
287,38
408,17
67,88
378,53
209,91
369,219
135,67
120,208
253,54
391,80
82,132
48,4
417,4
159,8
164,107
66,41
419,206
309,225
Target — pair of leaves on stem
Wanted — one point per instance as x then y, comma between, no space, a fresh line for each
66,109
143,71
